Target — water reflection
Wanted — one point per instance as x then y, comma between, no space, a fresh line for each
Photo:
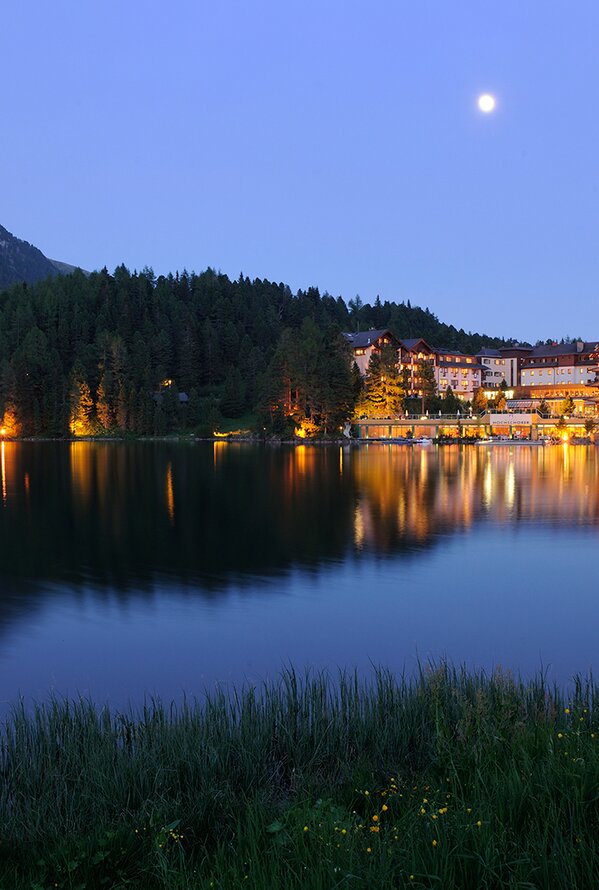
343,550
126,514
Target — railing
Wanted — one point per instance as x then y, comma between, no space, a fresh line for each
436,418
466,416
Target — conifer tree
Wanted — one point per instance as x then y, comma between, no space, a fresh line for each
81,406
103,410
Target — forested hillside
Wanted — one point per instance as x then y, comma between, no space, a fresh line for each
116,352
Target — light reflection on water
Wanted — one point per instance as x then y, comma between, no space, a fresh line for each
165,567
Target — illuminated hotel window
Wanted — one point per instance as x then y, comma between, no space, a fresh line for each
360,351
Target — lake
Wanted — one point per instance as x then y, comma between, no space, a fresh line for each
159,568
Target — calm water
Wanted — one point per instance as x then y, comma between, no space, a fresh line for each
168,568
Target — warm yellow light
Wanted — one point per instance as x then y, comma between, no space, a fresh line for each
3,431
564,437
306,429
486,103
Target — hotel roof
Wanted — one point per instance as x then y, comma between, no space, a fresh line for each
362,339
566,348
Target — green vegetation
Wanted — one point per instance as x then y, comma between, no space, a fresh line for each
104,354
384,390
454,780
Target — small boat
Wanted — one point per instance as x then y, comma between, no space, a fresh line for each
422,441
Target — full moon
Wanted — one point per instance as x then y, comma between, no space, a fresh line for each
486,103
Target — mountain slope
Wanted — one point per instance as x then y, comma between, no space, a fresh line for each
21,261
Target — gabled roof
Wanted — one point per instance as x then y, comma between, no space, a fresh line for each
366,338
410,345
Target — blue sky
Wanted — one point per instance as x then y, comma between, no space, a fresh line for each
325,143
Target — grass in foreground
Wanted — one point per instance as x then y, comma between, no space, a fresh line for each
452,780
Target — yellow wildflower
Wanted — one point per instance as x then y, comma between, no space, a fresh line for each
306,828
478,824
375,818
385,808
369,849
435,842
566,710
375,828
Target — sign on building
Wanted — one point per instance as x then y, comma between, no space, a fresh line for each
511,419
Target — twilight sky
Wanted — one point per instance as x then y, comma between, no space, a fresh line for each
325,142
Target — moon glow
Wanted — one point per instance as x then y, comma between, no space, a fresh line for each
486,103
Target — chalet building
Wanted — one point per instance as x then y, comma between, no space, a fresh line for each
462,373
561,364
364,343
556,370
